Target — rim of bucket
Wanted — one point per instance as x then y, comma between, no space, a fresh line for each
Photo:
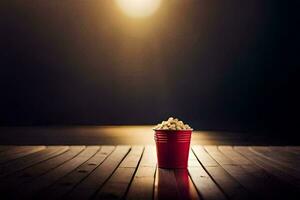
182,136
187,130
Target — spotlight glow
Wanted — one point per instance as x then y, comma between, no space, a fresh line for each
138,8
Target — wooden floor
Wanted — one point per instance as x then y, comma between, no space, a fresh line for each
130,172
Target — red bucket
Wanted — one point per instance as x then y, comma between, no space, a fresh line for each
172,147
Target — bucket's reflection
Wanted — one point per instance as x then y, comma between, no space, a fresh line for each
174,184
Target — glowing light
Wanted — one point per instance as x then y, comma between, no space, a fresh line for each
138,8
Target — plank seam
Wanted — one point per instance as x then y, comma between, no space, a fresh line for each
52,156
272,160
129,185
36,177
65,195
221,165
153,184
226,196
23,156
93,196
56,166
199,194
262,164
67,173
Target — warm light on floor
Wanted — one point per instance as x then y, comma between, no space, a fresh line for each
138,8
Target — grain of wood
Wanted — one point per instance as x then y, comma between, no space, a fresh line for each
185,186
229,185
35,171
214,152
90,185
242,161
58,172
253,184
13,150
205,185
32,159
68,182
19,152
282,162
116,186
269,167
31,189
206,160
237,158
142,185
275,182
285,154
165,185
9,183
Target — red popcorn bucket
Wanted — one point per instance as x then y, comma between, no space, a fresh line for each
172,147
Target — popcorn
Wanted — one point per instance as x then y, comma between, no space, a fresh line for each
172,124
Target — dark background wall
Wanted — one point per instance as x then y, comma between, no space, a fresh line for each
217,64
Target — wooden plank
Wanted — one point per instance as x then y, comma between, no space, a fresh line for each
8,184
68,182
90,185
214,152
272,182
205,185
260,171
185,186
237,158
30,160
116,186
203,157
272,186
258,185
229,185
269,167
37,170
165,185
242,161
286,154
278,164
289,164
142,186
19,152
31,189
24,177
14,150
174,184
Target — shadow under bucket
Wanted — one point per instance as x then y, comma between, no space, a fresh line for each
172,147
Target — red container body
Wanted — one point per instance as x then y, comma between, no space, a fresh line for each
172,147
